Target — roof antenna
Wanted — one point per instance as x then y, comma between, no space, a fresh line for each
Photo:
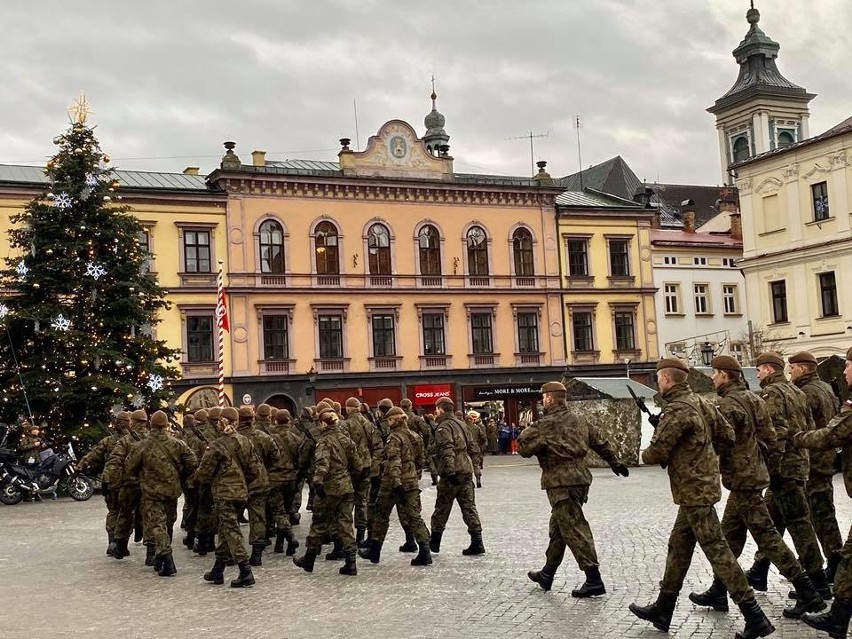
529,136
577,125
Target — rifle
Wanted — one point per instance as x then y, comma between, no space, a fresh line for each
653,419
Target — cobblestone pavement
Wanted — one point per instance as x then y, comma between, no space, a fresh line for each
56,581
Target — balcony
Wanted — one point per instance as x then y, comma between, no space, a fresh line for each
525,282
479,281
483,360
381,281
273,280
197,279
200,369
431,281
332,281
332,365
268,366
384,363
586,357
528,359
434,362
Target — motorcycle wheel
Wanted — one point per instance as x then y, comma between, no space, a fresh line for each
10,494
80,487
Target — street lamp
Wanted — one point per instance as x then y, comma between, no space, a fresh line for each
707,353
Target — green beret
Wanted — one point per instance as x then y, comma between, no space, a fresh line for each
405,403
444,401
802,357
385,403
229,413
396,410
553,387
672,362
770,358
726,363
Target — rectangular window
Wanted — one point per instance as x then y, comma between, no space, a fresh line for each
729,262
624,334
619,259
583,334
730,299
196,251
384,344
528,332
330,336
828,294
480,328
275,342
672,292
819,192
433,334
578,258
670,260
145,247
702,301
199,338
699,261
778,291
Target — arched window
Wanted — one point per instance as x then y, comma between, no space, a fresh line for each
785,139
741,149
477,251
271,242
429,243
325,247
378,248
522,249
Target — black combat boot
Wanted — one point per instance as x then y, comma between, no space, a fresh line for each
365,543
349,567
757,574
217,573
479,482
150,554
279,543
410,544
831,565
373,552
167,566
756,623
434,480
543,577
360,535
476,547
336,553
808,599
245,578
110,551
821,584
256,555
435,541
835,622
715,597
210,542
292,543
189,539
158,561
424,557
658,613
306,561
592,587
183,521
121,550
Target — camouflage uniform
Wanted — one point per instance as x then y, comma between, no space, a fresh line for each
561,443
366,439
492,436
129,498
283,480
476,436
205,519
684,439
267,451
431,458
453,450
95,461
310,431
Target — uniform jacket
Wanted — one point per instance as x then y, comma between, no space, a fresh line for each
266,450
453,447
335,459
837,434
402,454
289,439
365,438
684,441
419,426
229,466
824,407
476,435
561,442
114,469
162,464
790,413
97,457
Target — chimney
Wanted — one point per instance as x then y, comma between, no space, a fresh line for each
543,177
258,158
191,170
230,161
687,211
736,225
655,221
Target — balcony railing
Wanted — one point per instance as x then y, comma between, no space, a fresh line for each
332,364
480,281
328,280
527,359
273,280
484,360
384,363
382,281
434,361
276,365
525,281
435,281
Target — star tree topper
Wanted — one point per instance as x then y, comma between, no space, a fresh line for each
79,111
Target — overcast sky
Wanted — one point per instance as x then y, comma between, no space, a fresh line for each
170,80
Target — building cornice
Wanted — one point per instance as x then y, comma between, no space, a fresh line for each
787,255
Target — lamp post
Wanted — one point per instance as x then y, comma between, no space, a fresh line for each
707,353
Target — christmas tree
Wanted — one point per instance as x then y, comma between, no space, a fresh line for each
78,302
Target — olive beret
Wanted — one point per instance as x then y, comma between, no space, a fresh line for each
327,400
123,416
553,387
444,401
139,416
246,413
201,415
282,415
770,358
396,410
385,403
353,402
324,411
849,354
672,362
189,420
264,410
321,407
405,403
230,413
726,363
802,357
215,412
159,420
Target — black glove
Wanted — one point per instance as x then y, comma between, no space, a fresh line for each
399,492
775,482
621,469
319,490
654,420
105,489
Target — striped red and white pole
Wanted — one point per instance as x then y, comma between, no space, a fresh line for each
220,310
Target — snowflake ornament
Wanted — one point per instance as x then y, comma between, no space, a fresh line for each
138,401
4,311
91,180
95,270
155,382
22,269
61,323
62,201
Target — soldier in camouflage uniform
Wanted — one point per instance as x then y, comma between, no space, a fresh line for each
336,458
404,460
288,439
267,450
306,425
476,434
230,466
561,443
190,497
820,487
162,463
746,474
279,471
430,448
95,460
368,442
453,449
788,505
205,518
837,434
689,428
129,497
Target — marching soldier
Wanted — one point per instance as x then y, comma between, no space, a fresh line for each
684,441
266,449
368,442
289,439
205,523
476,434
561,443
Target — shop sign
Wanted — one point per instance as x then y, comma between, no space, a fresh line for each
429,394
502,392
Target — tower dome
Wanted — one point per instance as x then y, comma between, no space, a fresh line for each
435,136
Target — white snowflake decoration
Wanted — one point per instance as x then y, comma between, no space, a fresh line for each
95,270
62,201
4,311
138,401
22,269
61,323
155,382
91,180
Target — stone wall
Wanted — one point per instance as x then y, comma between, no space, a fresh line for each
618,420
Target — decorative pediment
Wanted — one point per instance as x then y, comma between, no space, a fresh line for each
769,186
816,169
396,151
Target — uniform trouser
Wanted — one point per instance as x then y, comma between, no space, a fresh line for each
129,502
463,493
296,505
230,543
568,527
190,509
408,509
112,503
206,520
159,517
362,500
257,516
746,512
332,518
843,578
372,496
701,524
433,467
280,494
477,462
788,508
820,493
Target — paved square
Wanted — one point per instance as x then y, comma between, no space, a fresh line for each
55,580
